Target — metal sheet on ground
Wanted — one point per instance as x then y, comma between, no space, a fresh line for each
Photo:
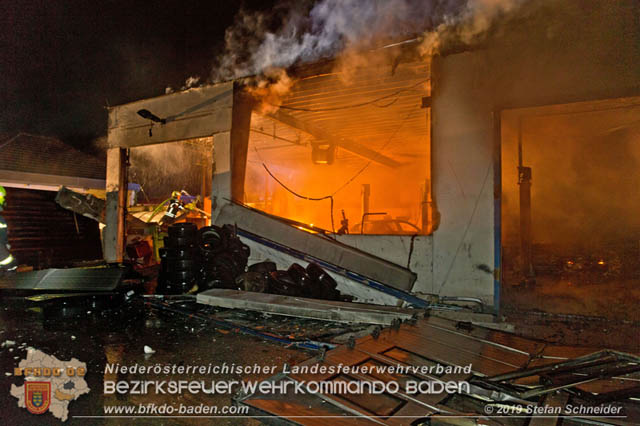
611,385
425,344
392,348
304,409
305,308
318,247
493,337
550,402
485,359
72,279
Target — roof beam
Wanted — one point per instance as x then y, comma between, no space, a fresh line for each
321,134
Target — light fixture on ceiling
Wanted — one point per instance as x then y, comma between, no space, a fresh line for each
323,152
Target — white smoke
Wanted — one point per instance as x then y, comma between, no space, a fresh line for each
329,27
188,84
471,23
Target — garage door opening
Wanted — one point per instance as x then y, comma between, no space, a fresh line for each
570,202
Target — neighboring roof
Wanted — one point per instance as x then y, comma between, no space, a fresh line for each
49,156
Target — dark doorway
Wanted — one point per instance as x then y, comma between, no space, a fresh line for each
580,251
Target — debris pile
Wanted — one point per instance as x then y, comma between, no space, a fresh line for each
214,257
528,382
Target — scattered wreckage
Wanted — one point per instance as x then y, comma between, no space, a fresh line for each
513,381
205,276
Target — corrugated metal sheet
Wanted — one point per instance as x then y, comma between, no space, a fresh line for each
390,120
68,279
43,234
415,348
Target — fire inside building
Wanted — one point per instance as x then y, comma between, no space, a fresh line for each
475,205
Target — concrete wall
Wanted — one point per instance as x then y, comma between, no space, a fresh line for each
559,52
462,170
194,113
397,249
221,184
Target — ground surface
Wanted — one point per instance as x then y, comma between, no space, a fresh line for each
570,312
119,335
614,299
120,338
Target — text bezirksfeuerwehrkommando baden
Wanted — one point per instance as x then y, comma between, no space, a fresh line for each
168,385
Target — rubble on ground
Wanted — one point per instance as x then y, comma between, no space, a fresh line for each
195,260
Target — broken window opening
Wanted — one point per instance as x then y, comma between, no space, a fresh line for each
362,140
158,172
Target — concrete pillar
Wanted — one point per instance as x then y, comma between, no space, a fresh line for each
230,155
526,254
221,181
116,186
427,218
240,129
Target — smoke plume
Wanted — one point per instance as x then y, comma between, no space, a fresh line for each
301,32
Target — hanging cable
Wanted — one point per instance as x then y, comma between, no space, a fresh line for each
330,196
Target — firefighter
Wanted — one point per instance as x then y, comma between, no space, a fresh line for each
7,262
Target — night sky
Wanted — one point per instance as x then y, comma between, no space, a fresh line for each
62,62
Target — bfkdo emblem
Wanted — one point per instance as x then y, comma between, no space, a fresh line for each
37,396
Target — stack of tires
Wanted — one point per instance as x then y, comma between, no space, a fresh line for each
214,257
312,282
223,257
179,259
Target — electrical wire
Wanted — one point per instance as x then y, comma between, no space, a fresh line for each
330,196
356,105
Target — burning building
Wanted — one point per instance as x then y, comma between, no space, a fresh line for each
450,164
380,191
